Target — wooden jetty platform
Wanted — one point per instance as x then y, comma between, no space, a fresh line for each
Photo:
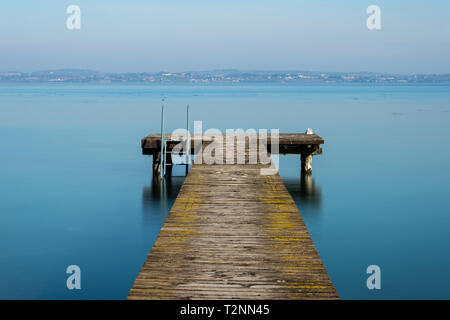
234,233
306,145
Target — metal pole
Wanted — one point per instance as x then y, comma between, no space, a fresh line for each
188,141
163,155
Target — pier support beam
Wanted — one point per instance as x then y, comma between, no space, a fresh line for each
169,165
306,163
156,163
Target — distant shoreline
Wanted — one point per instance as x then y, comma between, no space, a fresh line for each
220,77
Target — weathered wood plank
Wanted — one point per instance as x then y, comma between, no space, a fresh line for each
233,233
289,143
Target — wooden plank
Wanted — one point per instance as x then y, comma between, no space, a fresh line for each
233,233
293,143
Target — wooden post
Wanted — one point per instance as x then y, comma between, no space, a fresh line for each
306,163
307,185
156,164
169,165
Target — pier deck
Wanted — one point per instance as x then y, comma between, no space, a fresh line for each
233,233
306,145
289,143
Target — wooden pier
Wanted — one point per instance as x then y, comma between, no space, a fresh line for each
305,145
234,233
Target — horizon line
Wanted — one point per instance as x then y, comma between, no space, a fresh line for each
224,69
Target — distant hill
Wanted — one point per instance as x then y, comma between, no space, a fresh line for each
220,76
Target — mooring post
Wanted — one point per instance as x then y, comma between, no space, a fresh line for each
306,158
306,163
307,185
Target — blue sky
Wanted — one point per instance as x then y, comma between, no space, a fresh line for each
138,35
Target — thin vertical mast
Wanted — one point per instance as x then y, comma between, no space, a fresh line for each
188,141
162,159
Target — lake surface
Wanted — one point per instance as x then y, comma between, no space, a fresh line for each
75,189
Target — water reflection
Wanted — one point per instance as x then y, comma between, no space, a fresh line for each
158,197
305,192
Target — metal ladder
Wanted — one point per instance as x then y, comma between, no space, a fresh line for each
164,153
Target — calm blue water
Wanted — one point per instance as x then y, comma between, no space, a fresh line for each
75,189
